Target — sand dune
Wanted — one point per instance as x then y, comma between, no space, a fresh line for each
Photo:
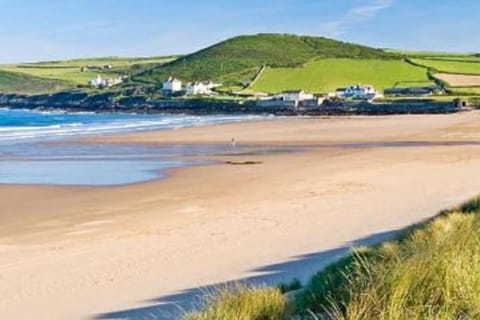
133,251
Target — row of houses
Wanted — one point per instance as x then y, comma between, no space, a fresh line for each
292,99
415,91
175,86
361,92
299,99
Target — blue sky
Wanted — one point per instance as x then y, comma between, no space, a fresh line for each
32,30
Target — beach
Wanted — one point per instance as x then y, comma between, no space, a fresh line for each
141,250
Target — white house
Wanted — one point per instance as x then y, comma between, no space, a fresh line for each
114,81
295,95
296,99
212,85
98,82
197,88
360,92
172,85
201,88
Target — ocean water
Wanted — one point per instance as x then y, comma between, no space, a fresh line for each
33,148
25,125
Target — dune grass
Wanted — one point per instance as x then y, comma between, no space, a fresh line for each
431,271
326,75
243,303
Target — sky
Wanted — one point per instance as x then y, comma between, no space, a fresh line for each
36,30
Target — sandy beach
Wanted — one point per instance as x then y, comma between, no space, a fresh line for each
141,251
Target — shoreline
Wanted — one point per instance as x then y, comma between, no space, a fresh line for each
117,248
106,102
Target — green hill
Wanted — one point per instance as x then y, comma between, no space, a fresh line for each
238,60
12,82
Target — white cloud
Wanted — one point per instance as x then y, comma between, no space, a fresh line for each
355,15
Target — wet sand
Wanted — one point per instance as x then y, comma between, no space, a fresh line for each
86,252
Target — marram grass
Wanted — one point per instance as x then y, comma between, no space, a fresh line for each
243,303
432,271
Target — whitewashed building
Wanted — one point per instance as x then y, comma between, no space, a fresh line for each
360,92
295,99
172,85
294,95
100,82
197,88
201,88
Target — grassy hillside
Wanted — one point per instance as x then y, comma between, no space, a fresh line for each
60,72
11,82
71,70
237,60
430,272
326,75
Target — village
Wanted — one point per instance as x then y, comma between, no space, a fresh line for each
299,100
173,90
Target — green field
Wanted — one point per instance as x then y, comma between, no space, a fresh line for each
102,61
465,90
467,65
424,54
468,58
11,82
70,70
326,75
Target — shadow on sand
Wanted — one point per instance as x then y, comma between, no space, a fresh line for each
301,267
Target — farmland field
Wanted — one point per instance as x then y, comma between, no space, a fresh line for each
466,65
459,80
425,54
326,75
455,58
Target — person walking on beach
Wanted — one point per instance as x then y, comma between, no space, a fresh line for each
233,143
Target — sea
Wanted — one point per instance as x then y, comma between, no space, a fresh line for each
36,147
